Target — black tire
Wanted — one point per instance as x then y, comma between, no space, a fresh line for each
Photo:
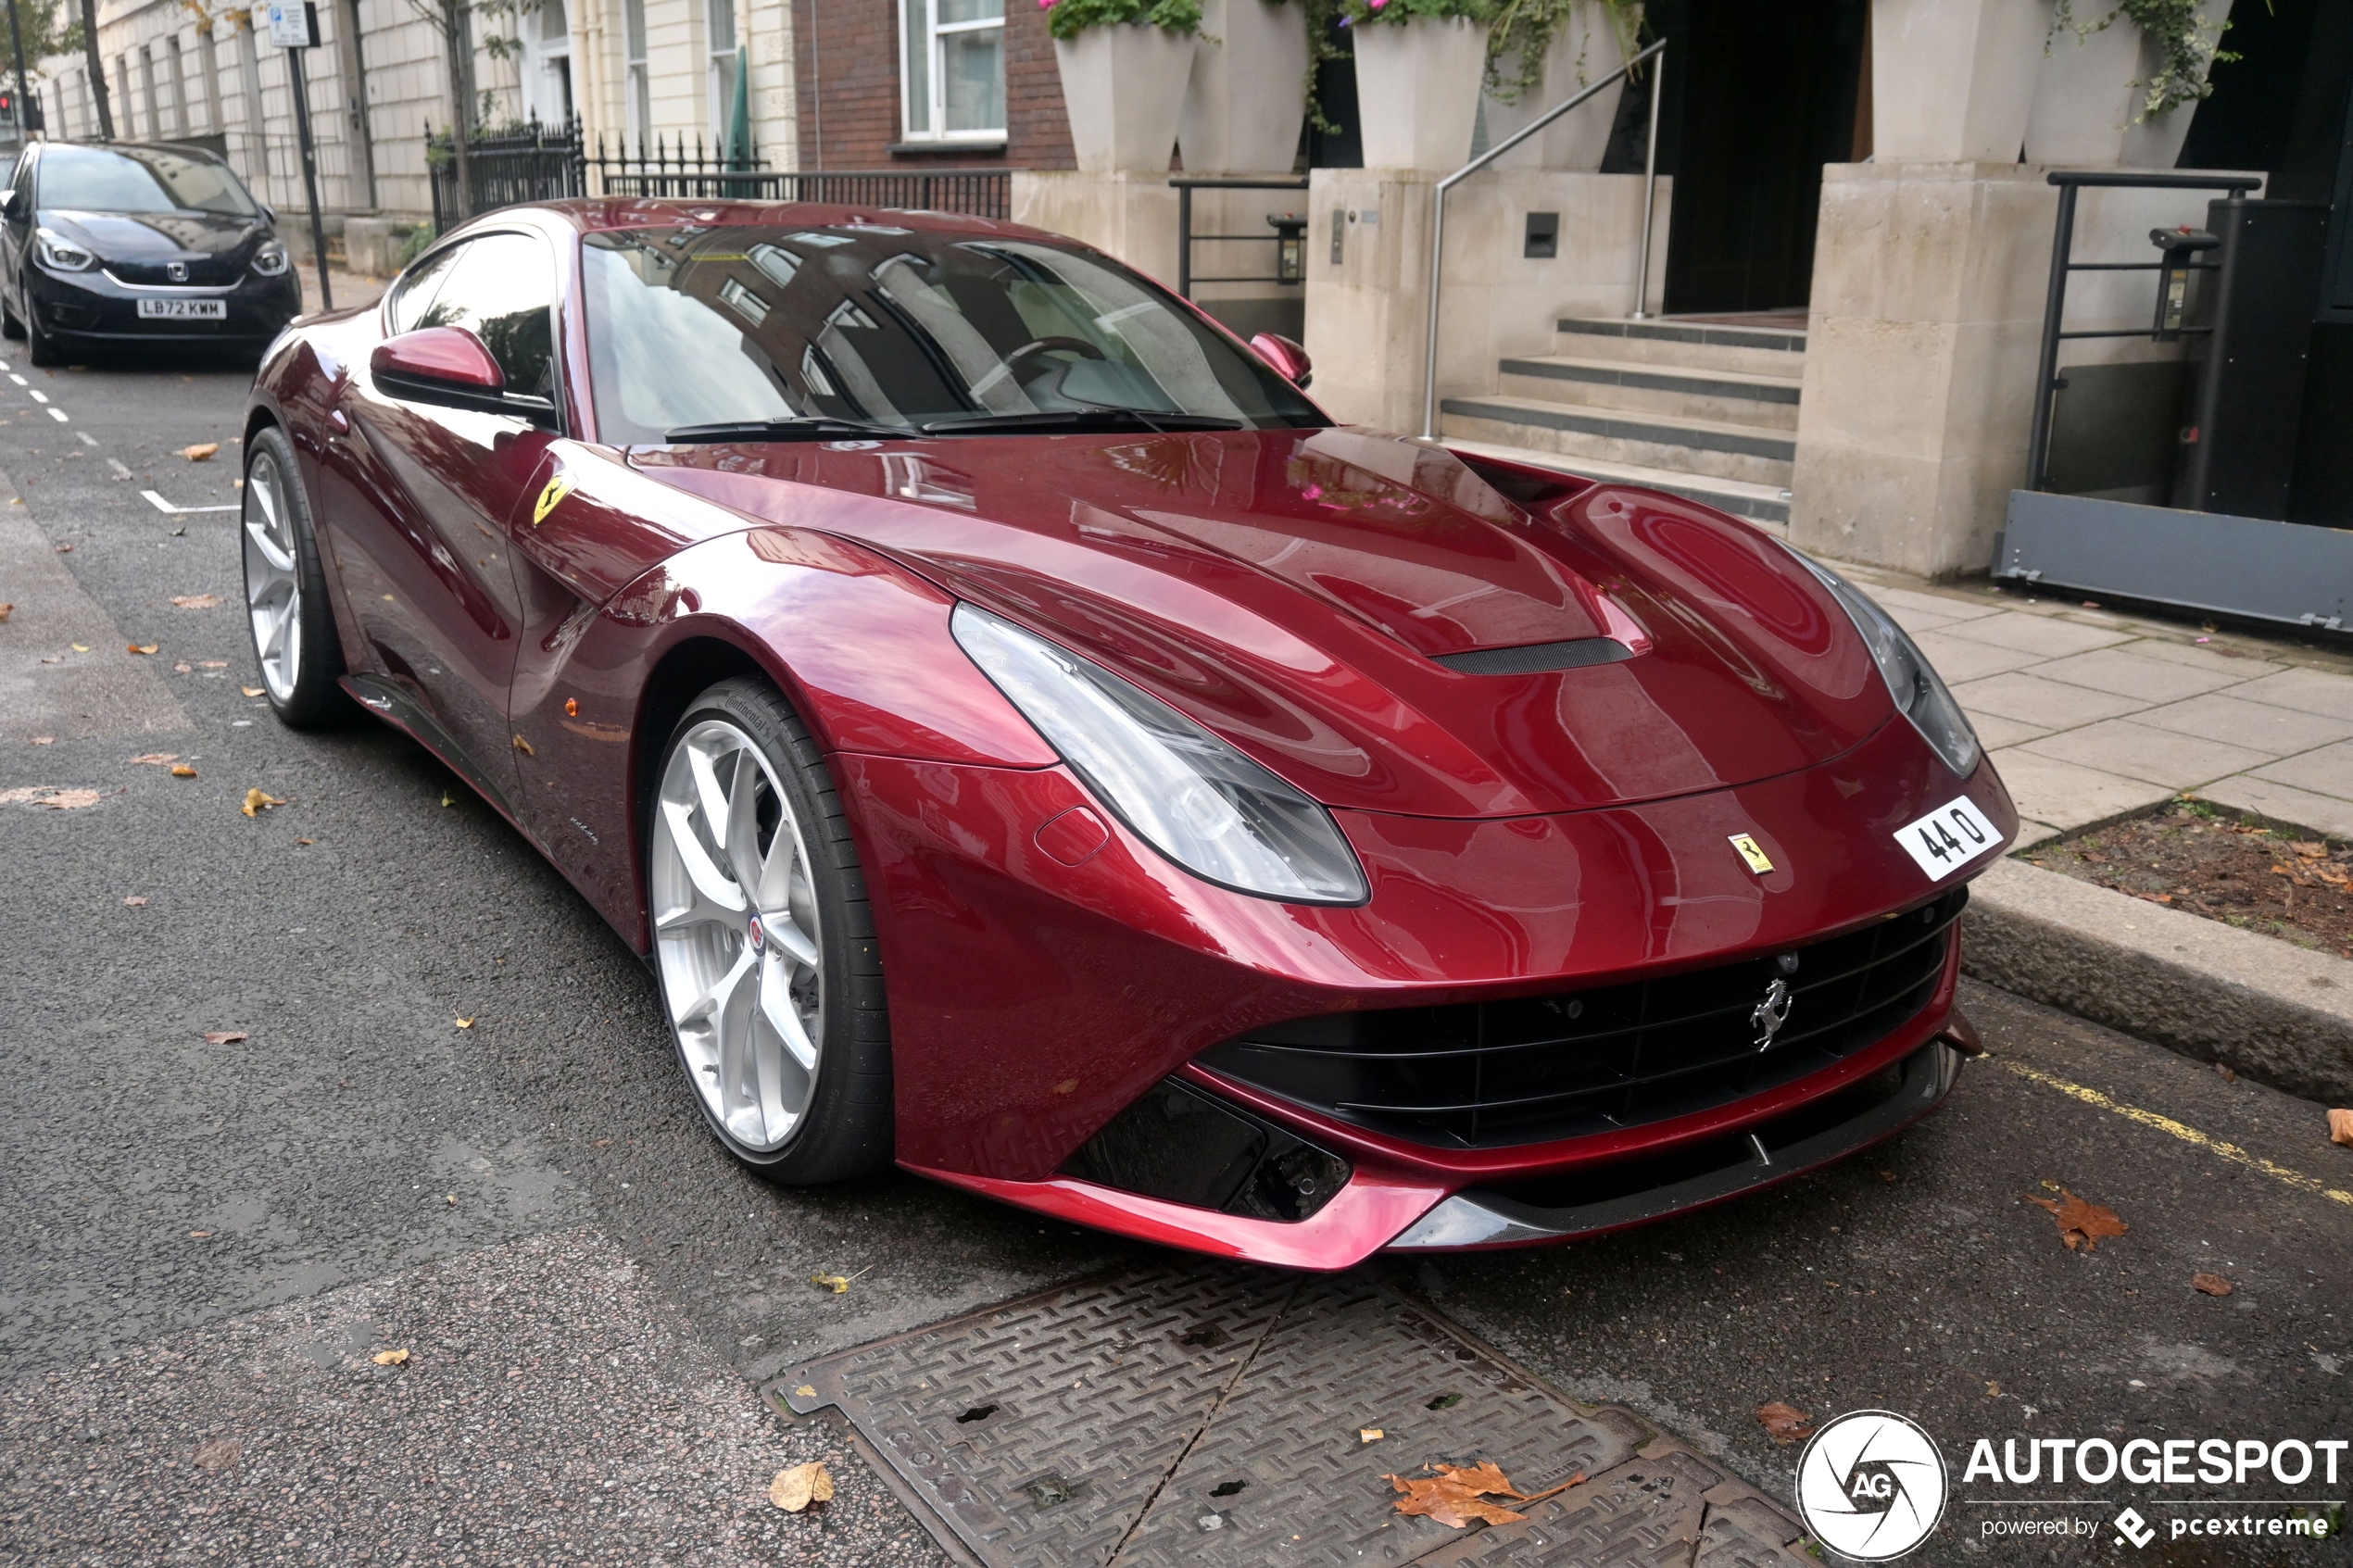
39,346
9,326
846,1130
310,695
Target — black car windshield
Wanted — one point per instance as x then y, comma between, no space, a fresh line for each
902,328
137,180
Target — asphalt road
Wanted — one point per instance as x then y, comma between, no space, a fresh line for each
202,1246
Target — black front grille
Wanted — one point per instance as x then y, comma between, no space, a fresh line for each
1491,1074
210,271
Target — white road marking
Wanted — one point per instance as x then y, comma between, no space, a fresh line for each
40,396
170,510
116,464
58,415
87,439
18,379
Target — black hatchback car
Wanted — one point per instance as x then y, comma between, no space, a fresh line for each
121,244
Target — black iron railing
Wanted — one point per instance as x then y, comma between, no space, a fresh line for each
545,163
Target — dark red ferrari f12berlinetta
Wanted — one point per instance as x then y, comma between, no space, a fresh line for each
1032,744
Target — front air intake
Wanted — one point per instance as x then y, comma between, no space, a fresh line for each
1183,1146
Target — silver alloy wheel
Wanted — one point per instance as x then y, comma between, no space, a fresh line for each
735,930
273,577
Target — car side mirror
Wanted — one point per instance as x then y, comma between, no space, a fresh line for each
1289,360
445,365
268,211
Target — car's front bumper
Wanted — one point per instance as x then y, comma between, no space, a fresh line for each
92,306
1034,1002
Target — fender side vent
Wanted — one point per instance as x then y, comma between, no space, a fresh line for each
1182,1146
1536,657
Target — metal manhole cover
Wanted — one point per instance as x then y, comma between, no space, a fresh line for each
1200,1414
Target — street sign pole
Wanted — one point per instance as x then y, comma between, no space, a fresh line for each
16,39
294,28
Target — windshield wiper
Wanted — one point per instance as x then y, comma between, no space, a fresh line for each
1077,419
816,427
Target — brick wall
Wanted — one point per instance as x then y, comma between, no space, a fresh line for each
847,67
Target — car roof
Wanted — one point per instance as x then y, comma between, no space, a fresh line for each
608,214
185,150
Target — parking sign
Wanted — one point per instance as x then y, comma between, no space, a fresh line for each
294,25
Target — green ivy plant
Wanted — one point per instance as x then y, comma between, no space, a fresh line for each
2187,41
1397,13
1069,19
1523,29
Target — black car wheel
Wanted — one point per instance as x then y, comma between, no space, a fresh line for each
39,346
9,326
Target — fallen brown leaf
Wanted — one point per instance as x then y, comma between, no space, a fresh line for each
223,1037
203,451
212,664
142,647
197,601
835,1283
1455,1496
2081,1223
65,549
796,1489
184,668
1993,1390
7,610
45,740
50,796
390,1358
1370,1434
250,690
463,1022
1786,1424
182,771
2211,1284
217,1453
154,759
806,1391
256,803
135,902
2341,1127
199,1235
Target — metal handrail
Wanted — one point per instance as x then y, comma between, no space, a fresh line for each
1185,185
2069,181
1438,224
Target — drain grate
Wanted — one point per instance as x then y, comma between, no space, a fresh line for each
1202,1414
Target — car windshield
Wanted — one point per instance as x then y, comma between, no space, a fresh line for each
902,328
138,179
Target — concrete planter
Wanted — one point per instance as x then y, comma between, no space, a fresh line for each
2088,95
1248,94
1418,83
1124,87
1584,49
1953,80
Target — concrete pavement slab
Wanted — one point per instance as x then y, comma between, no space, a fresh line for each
2040,634
2047,705
2307,691
2259,726
2068,795
1957,660
2137,751
2328,770
2132,672
2283,803
2164,642
1996,732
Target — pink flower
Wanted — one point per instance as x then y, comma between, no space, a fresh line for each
1376,5
1313,493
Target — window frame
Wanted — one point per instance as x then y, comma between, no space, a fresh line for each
636,81
935,78
719,69
555,417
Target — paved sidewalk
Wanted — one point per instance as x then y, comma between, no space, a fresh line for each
2093,715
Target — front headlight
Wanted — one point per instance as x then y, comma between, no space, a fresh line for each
1914,684
1193,797
62,253
270,260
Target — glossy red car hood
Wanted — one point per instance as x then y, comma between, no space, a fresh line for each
1289,589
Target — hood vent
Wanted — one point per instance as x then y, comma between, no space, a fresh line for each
1536,657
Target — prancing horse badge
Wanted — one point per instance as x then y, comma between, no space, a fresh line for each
557,488
1758,861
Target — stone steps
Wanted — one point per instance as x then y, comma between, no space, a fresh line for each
1723,397
1714,448
1688,346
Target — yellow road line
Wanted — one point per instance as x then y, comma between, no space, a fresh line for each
2187,1134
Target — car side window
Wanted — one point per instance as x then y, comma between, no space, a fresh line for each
502,289
416,292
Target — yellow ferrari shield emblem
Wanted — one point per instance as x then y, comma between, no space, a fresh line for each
557,488
1750,851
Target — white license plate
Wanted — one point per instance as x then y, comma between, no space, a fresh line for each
1947,838
183,310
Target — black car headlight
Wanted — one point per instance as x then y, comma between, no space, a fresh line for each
1915,686
1189,794
62,255
270,260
